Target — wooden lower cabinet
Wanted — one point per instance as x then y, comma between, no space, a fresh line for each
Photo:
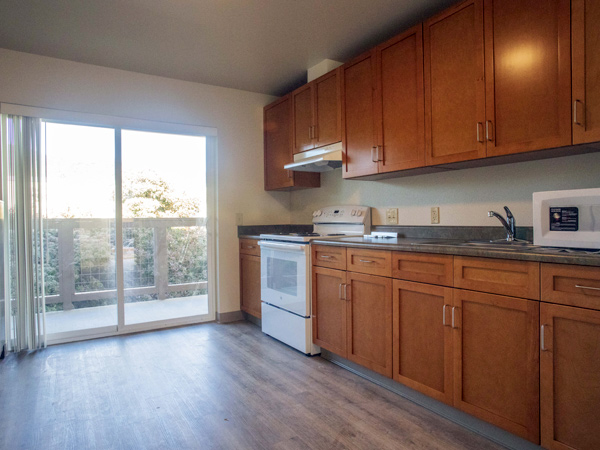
369,321
570,377
329,309
496,360
250,284
422,345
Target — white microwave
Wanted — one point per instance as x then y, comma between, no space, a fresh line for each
567,218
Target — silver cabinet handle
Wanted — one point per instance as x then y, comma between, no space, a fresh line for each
325,257
444,315
346,292
340,292
479,127
587,287
453,310
372,154
542,340
575,118
489,131
365,261
380,157
315,132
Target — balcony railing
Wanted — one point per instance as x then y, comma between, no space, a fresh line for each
162,257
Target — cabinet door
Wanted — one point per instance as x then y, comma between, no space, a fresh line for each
328,109
359,138
586,70
329,309
278,149
528,75
250,284
303,118
454,84
496,360
422,346
369,320
570,377
400,105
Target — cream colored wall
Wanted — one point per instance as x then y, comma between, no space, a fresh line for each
52,83
464,196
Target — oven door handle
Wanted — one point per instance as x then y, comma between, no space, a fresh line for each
282,246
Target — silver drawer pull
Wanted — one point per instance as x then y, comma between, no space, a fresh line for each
542,340
249,246
365,261
325,256
587,287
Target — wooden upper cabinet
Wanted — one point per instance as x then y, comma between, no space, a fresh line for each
278,149
454,84
399,102
303,118
328,109
317,113
570,377
585,17
528,75
359,136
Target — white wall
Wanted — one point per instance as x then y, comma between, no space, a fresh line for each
464,196
52,83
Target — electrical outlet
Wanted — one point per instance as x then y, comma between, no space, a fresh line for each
239,219
391,216
435,214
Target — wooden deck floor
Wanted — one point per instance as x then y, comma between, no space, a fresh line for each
206,386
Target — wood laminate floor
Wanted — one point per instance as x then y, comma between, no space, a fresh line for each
208,386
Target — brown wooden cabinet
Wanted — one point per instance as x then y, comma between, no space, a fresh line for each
278,149
455,84
329,309
585,16
513,97
422,342
570,377
369,321
250,277
317,113
383,107
528,75
496,360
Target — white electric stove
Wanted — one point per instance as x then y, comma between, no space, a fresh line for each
285,273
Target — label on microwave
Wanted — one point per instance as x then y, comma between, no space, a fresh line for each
564,218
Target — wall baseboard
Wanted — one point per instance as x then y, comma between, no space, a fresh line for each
252,319
228,317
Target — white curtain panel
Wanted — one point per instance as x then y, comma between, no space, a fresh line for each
23,180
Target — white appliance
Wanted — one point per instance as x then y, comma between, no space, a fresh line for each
567,218
285,275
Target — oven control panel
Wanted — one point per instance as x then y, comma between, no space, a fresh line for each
342,214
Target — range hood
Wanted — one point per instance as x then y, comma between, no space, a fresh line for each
320,160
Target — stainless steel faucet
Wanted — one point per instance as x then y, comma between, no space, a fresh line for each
508,224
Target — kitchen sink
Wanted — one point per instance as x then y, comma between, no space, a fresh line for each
499,244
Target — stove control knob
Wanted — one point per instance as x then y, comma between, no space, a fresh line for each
314,213
319,212
353,213
359,213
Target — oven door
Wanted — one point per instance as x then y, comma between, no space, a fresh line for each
284,276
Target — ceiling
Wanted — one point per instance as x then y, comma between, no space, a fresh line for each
261,46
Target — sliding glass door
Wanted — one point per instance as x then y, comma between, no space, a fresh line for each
165,257
125,239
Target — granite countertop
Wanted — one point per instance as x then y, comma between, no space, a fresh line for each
449,247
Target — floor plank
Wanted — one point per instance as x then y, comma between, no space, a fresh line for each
208,386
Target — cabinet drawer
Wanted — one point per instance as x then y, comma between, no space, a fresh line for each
571,285
326,256
373,262
425,268
249,247
513,278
